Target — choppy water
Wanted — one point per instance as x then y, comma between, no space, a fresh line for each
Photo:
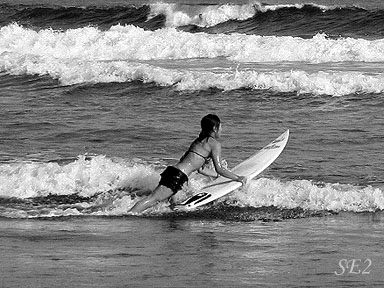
141,252
97,98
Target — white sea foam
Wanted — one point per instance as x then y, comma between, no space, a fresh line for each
128,53
82,177
212,15
305,194
204,16
133,43
110,182
71,72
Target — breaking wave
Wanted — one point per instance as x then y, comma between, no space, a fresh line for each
100,186
129,53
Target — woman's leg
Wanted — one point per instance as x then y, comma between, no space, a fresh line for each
159,194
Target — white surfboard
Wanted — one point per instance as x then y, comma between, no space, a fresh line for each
251,167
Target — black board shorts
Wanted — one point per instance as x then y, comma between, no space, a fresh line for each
173,179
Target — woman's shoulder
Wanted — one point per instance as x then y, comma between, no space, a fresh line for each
213,142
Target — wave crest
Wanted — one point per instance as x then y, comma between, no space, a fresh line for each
178,15
129,53
101,186
80,72
308,195
133,43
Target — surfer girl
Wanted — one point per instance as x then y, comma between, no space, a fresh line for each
203,148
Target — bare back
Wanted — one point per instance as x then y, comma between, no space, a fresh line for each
196,156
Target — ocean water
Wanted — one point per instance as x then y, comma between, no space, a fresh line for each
98,97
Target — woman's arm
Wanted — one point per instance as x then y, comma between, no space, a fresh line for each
208,172
216,157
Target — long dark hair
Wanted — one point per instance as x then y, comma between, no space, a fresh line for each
208,124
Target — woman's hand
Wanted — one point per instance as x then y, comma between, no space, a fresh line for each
242,179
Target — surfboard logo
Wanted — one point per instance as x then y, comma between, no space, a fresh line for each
198,198
273,144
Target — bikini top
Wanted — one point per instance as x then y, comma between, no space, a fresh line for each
206,158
